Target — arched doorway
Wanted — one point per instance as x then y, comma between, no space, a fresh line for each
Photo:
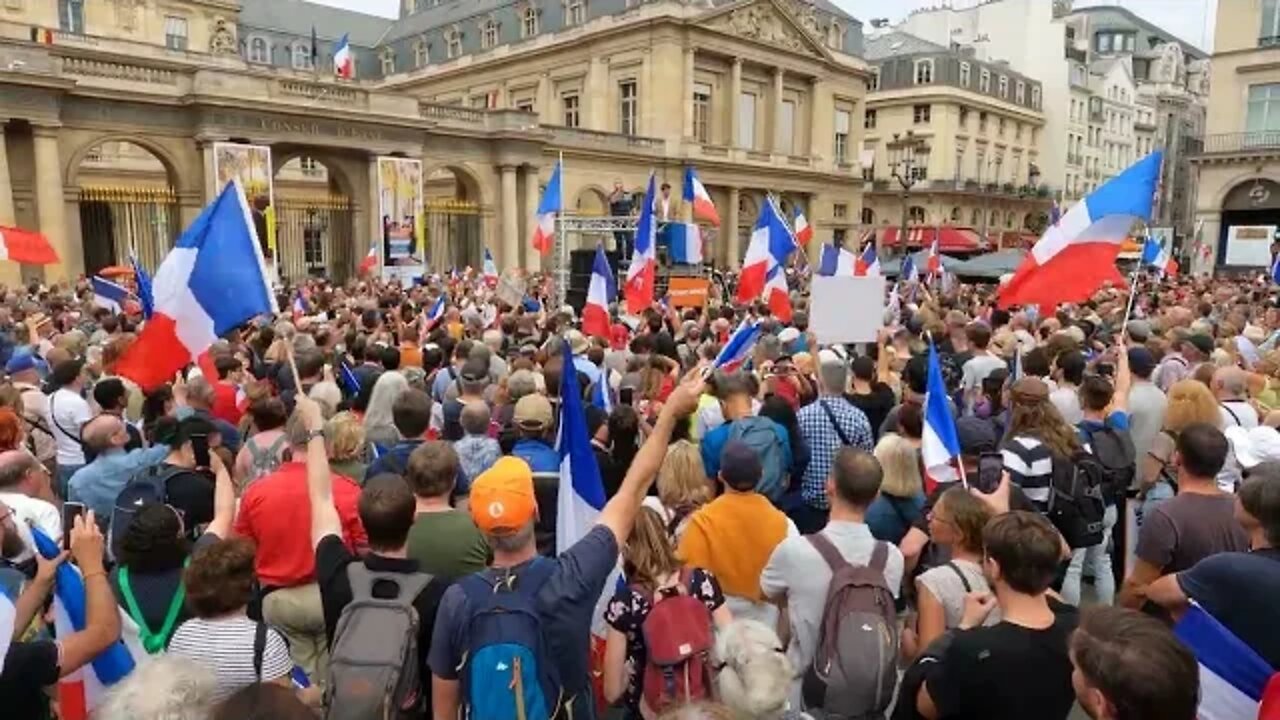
314,219
128,205
1250,221
454,221
592,202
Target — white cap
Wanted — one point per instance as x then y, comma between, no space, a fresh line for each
788,335
1254,446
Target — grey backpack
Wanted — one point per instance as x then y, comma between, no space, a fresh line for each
854,669
374,664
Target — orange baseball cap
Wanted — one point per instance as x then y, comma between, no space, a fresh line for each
502,498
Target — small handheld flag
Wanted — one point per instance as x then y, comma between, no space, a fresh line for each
738,348
109,295
544,232
143,281
940,445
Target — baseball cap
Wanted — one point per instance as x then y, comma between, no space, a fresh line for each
1139,330
533,411
1203,343
976,436
20,362
1141,362
740,465
502,498
1254,446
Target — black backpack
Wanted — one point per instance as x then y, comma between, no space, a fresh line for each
1114,450
148,486
1076,501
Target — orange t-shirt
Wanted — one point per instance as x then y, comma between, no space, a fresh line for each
734,536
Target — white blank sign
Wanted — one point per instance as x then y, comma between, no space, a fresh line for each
846,309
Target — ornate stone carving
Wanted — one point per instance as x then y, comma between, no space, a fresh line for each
1198,77
128,14
805,15
1169,65
222,41
763,23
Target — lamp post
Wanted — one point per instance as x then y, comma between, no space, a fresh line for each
986,213
907,153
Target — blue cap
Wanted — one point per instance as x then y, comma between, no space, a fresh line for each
21,361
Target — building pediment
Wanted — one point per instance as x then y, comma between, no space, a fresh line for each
767,22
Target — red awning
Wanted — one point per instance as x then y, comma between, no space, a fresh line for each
1016,239
952,240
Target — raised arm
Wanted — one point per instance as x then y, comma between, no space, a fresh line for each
324,516
224,499
102,616
1124,379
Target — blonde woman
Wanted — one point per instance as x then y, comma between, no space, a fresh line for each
654,572
901,500
683,487
345,437
1190,401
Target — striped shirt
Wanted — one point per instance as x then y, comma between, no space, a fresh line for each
1030,466
225,646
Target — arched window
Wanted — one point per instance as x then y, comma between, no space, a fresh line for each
868,216
421,53
301,56
453,42
955,214
259,50
915,214
529,22
995,218
975,217
1008,219
489,34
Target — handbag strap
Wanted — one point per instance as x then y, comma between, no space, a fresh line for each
832,417
963,580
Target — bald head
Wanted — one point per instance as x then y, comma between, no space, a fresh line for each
855,477
1230,383
15,467
104,432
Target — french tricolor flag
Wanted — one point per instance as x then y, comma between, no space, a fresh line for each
602,291
868,264
544,234
641,275
940,445
837,262
581,496
908,273
738,348
933,265
771,243
369,261
686,243
344,63
490,269
109,295
695,193
1077,255
436,311
601,395
1233,676
777,294
213,281
804,231
80,692
299,306
1154,255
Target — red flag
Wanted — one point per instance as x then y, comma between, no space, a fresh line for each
25,246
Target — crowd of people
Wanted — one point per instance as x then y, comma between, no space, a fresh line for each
352,511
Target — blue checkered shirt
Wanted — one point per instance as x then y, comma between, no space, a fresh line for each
824,442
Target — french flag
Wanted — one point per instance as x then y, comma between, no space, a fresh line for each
644,263
868,264
109,295
908,272
738,348
544,234
344,63
490,269
933,265
146,298
369,261
894,307
1154,255
602,291
686,243
804,231
213,280
777,294
696,195
1077,255
771,243
940,445
436,311
81,692
601,395
348,378
837,262
299,306
581,496
1233,676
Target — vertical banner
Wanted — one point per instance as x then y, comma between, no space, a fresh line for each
251,165
401,213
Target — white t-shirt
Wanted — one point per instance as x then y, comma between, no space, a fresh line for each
978,368
225,646
29,511
67,413
1067,401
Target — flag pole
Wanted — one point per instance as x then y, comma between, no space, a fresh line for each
562,254
1133,290
293,367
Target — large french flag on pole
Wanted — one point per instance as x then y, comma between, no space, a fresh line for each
777,294
804,231
602,291
641,276
771,243
1077,255
1154,255
489,270
738,348
686,243
544,231
344,63
80,692
213,280
696,195
940,445
1232,675
837,262
581,496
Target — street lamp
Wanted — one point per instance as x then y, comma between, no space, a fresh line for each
907,153
998,160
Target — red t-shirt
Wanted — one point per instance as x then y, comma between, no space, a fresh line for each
227,402
275,512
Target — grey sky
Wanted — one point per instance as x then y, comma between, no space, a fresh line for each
1191,20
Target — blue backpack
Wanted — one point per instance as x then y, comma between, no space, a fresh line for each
758,433
504,674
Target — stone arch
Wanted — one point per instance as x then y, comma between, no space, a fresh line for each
1256,193
317,225
1242,179
338,175
591,200
76,159
467,180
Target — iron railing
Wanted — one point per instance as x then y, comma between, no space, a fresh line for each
1242,142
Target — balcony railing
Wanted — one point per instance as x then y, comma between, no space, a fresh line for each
1245,142
1077,54
598,138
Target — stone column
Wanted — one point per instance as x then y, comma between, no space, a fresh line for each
531,198
777,145
211,188
510,219
51,201
687,103
734,260
817,100
596,96
10,273
543,100
735,94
